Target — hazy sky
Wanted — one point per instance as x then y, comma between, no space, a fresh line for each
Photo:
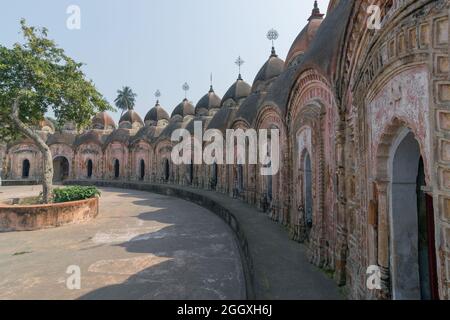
160,44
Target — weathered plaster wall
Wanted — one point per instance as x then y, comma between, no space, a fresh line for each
17,154
406,97
141,151
87,152
120,152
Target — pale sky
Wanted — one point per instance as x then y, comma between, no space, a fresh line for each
160,44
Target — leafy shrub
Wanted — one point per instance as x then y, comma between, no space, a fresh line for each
74,193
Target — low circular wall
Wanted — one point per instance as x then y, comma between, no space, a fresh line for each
29,218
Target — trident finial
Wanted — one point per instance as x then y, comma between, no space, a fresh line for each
239,62
157,95
211,83
273,35
185,89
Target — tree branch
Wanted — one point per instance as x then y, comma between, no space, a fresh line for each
47,176
25,129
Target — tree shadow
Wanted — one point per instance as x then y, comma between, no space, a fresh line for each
193,256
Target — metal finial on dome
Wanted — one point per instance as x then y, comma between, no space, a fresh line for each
211,89
273,35
185,88
239,62
157,95
316,12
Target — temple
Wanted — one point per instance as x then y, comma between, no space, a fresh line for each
364,120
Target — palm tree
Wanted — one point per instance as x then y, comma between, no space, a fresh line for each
125,100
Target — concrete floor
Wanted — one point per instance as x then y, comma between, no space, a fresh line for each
142,246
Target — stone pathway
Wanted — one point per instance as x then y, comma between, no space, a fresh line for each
142,246
280,268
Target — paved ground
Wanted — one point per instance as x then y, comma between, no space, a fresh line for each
7,193
142,246
280,268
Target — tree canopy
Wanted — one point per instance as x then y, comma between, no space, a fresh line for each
126,99
40,77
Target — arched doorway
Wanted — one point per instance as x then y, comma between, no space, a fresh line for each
166,169
26,169
89,167
142,170
307,193
413,253
116,169
60,169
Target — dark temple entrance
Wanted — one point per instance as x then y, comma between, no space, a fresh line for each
60,169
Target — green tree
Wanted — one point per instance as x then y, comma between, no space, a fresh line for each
125,100
38,77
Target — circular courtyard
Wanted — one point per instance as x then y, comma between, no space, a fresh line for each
141,246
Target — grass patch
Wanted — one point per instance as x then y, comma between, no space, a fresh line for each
30,201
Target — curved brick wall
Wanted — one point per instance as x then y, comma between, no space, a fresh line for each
29,218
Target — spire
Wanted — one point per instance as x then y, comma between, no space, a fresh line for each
157,95
316,12
211,89
273,35
185,88
239,62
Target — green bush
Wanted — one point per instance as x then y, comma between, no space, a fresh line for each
74,193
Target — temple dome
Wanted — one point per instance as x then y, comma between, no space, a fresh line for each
121,135
239,90
132,117
91,136
306,36
271,69
156,114
103,121
209,101
184,109
61,137
147,134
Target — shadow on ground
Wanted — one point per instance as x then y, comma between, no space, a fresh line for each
192,257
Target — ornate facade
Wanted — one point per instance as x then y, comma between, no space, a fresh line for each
364,120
